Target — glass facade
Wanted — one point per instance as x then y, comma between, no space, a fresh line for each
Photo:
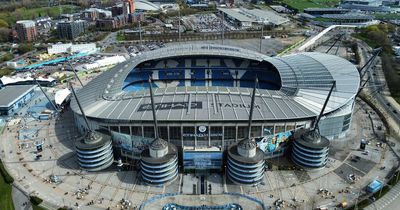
125,129
148,131
229,132
136,130
163,132
175,133
208,135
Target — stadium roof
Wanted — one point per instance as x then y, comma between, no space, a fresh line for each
146,5
9,95
306,79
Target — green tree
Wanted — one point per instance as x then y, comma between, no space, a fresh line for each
6,57
24,48
3,24
4,34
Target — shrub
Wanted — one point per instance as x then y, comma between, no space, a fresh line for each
35,200
7,177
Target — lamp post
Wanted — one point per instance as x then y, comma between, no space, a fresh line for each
140,33
179,22
262,33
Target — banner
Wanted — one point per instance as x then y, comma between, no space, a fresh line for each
272,143
135,144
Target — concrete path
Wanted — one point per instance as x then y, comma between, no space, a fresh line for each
19,199
388,202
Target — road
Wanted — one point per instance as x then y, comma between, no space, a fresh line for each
377,85
110,38
376,88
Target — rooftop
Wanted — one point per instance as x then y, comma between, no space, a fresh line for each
11,94
306,80
265,15
234,13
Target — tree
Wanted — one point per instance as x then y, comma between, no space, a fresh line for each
24,48
3,24
4,34
6,57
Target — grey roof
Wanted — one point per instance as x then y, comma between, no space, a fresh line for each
158,144
306,79
236,15
247,144
325,9
349,16
254,15
9,95
311,139
265,15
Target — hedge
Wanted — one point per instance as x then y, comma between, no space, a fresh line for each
7,177
35,200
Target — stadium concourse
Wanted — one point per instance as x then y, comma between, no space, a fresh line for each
202,101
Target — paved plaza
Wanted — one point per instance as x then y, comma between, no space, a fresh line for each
106,189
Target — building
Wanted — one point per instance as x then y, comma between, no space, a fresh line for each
245,18
113,23
26,30
117,10
107,61
71,29
266,16
67,17
236,18
144,5
71,48
202,95
347,19
12,98
130,4
396,50
325,11
365,5
93,14
27,80
364,2
136,17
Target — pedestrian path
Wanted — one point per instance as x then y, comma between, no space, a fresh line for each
20,200
386,199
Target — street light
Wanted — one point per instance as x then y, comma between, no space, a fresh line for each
262,32
179,22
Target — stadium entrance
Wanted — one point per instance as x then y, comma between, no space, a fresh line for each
202,161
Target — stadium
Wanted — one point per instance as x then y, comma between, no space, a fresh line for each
202,95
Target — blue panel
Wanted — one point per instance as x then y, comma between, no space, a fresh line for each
202,160
221,75
198,77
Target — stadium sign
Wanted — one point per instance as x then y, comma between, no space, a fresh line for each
235,105
193,105
171,105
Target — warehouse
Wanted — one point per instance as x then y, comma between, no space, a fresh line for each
12,98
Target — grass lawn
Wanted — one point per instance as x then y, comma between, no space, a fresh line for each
5,195
120,37
302,4
26,13
34,207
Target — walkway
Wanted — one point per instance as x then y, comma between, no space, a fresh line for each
388,202
19,198
311,41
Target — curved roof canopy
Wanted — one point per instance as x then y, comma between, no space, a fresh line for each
306,79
